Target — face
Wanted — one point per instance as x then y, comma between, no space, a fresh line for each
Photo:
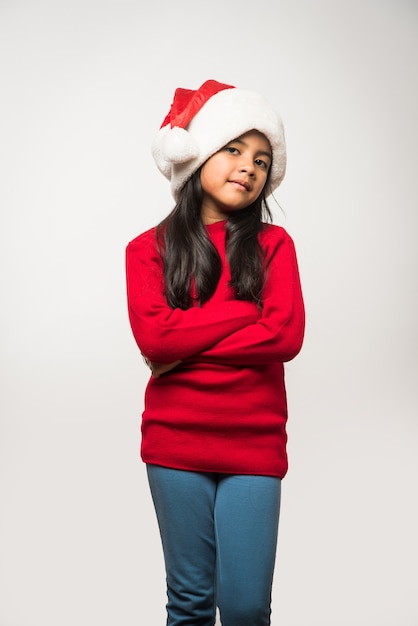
234,177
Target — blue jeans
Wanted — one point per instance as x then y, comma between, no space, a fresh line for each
219,536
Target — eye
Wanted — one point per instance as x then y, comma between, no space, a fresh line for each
261,163
231,150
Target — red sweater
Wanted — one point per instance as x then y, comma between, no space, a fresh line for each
224,408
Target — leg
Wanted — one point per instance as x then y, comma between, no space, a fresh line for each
184,504
246,525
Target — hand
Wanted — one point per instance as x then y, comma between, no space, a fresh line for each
160,368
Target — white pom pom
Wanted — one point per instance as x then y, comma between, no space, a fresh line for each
178,146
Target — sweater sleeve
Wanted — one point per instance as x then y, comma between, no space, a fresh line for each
164,334
278,334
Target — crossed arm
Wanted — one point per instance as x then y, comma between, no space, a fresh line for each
233,332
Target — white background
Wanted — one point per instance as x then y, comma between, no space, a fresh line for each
84,87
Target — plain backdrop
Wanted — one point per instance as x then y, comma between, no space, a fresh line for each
85,86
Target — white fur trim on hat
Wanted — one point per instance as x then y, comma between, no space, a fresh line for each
227,115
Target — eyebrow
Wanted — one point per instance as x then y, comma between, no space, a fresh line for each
259,152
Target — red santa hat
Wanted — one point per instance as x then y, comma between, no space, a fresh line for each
200,122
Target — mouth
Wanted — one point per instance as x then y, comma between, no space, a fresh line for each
241,184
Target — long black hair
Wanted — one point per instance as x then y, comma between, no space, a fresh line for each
192,266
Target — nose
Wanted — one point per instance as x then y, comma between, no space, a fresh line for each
247,165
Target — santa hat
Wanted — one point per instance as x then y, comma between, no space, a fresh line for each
200,122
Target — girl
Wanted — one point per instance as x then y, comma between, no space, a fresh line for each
216,308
